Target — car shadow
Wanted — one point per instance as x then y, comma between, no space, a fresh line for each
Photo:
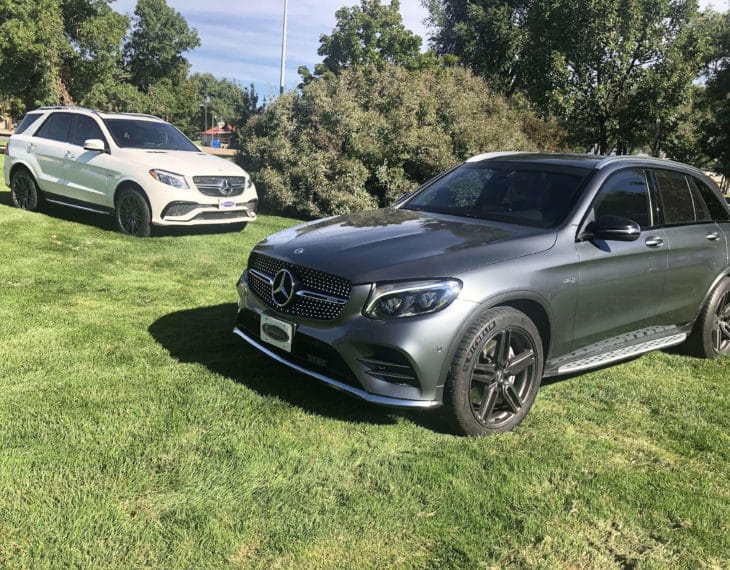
107,222
205,336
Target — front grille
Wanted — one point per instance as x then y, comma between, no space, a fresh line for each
313,284
220,215
307,352
221,186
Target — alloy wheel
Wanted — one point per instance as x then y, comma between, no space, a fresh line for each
721,325
502,377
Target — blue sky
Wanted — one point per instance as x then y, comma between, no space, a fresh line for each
241,39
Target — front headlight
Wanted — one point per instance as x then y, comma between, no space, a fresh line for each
395,300
169,178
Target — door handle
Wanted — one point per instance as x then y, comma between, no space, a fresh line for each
70,155
654,241
714,236
32,147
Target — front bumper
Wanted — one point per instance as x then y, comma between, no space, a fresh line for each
400,363
186,213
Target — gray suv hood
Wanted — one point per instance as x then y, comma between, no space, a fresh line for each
391,244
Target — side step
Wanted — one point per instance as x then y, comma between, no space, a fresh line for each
622,353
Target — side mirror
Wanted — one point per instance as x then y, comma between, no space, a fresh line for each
611,228
96,145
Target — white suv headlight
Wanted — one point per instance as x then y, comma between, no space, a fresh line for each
169,178
396,300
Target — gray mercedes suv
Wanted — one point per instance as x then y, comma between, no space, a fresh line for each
508,268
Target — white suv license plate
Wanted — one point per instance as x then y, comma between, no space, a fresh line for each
277,333
226,204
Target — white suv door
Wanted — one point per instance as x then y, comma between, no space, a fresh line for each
87,172
48,148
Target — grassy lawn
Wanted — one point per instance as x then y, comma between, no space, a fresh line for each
136,430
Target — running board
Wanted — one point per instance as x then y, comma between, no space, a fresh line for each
622,353
105,211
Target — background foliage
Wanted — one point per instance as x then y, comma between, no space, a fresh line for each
379,115
364,137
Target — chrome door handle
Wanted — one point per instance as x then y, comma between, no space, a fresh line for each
70,155
654,241
714,236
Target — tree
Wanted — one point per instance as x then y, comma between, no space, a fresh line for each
33,48
614,71
95,33
160,35
369,34
363,137
716,126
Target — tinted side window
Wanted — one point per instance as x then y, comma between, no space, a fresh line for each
717,209
27,121
676,197
625,194
56,127
85,129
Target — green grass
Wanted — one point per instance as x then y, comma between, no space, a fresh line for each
136,430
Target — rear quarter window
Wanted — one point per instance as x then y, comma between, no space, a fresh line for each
56,127
27,121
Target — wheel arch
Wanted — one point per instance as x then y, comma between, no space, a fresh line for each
711,289
130,184
538,314
531,304
21,166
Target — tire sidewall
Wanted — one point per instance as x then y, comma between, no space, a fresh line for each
457,394
34,198
708,317
146,224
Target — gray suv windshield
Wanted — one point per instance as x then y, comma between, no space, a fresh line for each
139,133
512,193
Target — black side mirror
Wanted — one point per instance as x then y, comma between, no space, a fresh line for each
611,228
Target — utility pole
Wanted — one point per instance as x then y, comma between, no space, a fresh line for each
283,50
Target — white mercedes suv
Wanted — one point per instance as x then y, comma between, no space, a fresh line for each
138,168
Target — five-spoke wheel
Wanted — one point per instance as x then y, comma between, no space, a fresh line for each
24,191
721,325
133,213
495,373
710,337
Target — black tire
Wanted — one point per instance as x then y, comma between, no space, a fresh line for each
133,213
495,373
24,191
710,337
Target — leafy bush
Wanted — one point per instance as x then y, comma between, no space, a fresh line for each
364,137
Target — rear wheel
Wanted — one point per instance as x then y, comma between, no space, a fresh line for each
495,374
24,191
711,335
133,214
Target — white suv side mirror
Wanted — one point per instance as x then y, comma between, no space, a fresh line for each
95,144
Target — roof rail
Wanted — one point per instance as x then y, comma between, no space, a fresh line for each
608,160
488,155
95,111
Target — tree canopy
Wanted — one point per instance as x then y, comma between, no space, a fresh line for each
614,71
340,144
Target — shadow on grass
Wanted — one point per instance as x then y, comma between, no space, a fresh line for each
107,222
204,336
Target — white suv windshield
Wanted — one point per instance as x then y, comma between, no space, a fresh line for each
139,133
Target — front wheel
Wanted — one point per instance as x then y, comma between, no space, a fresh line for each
711,335
495,373
133,214
24,191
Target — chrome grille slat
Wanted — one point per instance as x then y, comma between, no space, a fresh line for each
211,185
321,296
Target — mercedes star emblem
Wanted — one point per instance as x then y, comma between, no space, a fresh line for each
225,187
282,288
